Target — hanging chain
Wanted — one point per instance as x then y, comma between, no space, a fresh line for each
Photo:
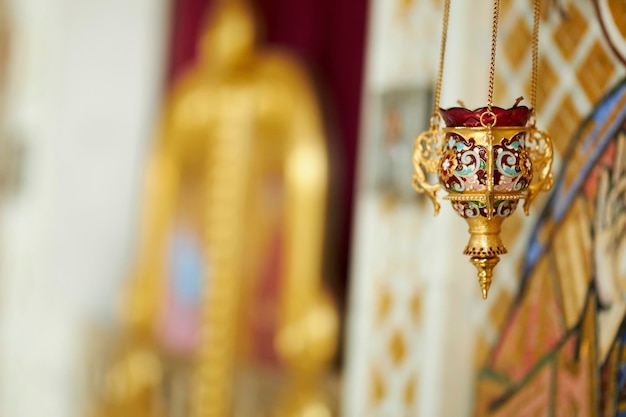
535,53
442,55
492,65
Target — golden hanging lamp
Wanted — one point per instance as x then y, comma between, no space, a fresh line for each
486,159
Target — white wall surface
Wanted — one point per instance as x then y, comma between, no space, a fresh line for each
85,81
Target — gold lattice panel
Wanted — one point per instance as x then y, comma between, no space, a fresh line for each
395,322
387,342
576,68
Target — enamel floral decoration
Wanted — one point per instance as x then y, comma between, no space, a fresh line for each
487,160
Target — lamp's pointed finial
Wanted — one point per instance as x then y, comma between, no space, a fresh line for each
485,272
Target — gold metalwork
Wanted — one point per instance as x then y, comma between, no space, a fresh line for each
442,57
132,383
539,146
492,61
485,244
490,162
429,144
238,116
485,266
306,343
535,53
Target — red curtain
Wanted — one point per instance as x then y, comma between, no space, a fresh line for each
328,36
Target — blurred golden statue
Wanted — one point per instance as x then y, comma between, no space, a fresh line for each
241,163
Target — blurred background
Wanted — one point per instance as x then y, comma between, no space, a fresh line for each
206,210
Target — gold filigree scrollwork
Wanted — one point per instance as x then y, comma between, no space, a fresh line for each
540,150
426,154
488,120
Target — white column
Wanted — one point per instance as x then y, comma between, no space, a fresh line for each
423,253
85,86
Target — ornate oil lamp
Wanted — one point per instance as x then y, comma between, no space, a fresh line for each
486,159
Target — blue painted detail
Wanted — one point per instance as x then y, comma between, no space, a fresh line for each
561,198
187,267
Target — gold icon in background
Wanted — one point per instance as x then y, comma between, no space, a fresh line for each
240,164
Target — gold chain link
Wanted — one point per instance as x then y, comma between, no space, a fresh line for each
442,55
535,53
492,65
